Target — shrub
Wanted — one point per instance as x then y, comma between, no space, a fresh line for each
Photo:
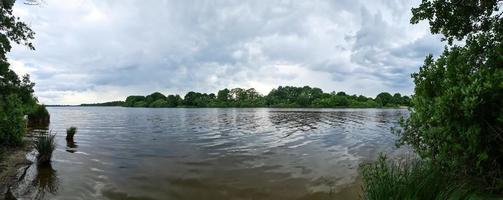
70,132
39,116
12,124
45,145
457,119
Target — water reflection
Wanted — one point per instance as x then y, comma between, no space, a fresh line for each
141,153
36,182
71,146
295,121
46,181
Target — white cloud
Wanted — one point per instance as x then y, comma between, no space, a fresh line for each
93,51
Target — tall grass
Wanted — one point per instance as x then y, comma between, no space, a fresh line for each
410,179
45,145
70,132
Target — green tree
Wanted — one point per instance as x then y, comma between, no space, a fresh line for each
140,104
159,103
149,99
238,94
174,100
397,99
287,96
384,99
132,100
197,99
224,95
405,101
16,96
457,119
12,124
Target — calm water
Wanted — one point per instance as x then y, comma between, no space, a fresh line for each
141,153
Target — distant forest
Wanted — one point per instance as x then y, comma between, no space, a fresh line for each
281,97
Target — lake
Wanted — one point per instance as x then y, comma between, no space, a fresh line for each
211,153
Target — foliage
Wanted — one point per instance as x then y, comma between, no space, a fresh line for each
385,99
39,116
174,100
457,119
70,132
196,99
16,95
457,19
410,179
132,100
149,99
44,145
12,123
287,96
159,103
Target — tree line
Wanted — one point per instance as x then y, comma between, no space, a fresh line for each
283,96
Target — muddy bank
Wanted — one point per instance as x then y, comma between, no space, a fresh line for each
13,165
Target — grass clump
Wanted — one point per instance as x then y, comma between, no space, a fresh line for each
410,179
70,132
45,145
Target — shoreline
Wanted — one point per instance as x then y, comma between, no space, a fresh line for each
13,162
383,108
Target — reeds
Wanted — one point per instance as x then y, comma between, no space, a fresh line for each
70,132
45,145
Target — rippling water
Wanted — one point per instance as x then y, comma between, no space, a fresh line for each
141,153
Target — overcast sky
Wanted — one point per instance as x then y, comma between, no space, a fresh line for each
96,50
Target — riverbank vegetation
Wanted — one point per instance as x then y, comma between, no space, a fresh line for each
16,94
283,96
45,145
412,178
39,116
456,125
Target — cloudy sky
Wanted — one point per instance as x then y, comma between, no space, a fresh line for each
95,50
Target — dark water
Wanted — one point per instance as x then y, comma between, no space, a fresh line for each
141,153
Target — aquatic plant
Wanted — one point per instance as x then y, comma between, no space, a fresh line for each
70,132
45,145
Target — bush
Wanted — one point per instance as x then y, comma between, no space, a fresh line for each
39,116
12,124
457,119
409,179
70,132
44,145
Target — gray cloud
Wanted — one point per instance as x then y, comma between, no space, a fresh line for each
91,51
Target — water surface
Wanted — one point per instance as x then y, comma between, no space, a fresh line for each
208,153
